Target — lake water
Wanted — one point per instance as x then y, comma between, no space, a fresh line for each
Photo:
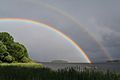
80,66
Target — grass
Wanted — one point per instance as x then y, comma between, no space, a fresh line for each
25,65
34,71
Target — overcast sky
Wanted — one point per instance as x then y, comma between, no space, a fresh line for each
92,24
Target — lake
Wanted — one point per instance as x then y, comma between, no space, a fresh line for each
80,66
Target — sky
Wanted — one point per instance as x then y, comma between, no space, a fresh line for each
43,44
92,24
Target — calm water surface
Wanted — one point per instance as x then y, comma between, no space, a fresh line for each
80,66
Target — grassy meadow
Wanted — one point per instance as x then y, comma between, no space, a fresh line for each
25,65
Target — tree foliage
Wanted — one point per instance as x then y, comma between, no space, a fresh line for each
11,51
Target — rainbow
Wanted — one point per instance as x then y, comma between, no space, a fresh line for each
53,29
65,14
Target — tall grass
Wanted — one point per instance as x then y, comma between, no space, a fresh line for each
40,73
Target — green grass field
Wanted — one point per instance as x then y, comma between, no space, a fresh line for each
25,65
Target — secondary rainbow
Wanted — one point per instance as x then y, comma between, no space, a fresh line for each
65,14
53,29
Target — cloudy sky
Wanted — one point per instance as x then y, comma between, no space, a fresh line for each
92,24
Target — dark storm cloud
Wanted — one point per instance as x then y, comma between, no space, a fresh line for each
109,29
112,43
108,33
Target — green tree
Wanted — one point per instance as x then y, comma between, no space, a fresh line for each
17,50
11,51
3,47
8,59
6,38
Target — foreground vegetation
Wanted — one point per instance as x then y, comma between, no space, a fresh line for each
33,71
